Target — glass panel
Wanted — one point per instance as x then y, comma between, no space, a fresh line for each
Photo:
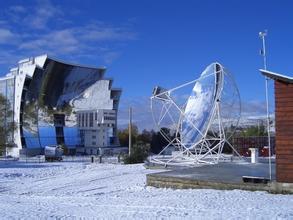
72,137
31,140
47,136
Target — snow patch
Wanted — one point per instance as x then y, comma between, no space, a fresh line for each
75,190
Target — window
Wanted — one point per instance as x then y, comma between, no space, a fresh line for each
94,136
93,143
96,116
91,119
109,118
79,120
82,120
86,119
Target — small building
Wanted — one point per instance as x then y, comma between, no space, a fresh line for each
284,125
97,129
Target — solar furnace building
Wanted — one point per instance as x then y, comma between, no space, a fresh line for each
56,103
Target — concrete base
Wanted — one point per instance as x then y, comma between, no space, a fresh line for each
31,152
223,176
283,188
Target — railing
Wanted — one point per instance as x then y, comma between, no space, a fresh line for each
83,159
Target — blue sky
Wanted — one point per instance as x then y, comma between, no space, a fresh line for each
147,43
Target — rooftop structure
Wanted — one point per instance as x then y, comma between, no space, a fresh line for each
277,76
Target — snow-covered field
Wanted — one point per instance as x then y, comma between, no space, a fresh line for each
111,191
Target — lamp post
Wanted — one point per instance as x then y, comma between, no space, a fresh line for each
129,131
262,35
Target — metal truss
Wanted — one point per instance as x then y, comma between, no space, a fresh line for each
209,147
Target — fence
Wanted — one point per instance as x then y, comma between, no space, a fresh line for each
83,159
242,144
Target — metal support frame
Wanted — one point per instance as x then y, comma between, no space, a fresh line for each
206,151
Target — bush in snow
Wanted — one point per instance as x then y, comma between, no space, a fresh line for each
139,153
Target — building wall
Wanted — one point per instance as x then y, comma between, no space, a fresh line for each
97,128
284,131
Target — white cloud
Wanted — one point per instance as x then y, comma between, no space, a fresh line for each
60,42
73,40
7,37
142,115
100,33
8,57
34,16
253,108
42,14
43,27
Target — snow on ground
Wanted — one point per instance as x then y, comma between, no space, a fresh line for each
72,190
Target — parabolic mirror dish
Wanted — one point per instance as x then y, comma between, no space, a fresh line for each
200,123
200,105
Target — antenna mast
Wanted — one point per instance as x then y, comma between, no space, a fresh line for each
262,35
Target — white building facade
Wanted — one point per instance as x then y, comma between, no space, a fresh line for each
97,128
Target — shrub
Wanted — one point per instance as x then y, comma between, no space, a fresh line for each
139,153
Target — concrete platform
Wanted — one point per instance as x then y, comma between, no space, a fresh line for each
226,176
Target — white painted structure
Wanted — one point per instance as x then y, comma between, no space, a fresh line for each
26,68
254,155
96,127
196,125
